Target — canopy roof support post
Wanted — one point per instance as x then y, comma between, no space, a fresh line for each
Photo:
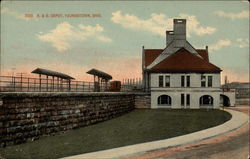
58,84
95,89
61,84
69,88
98,85
40,82
106,85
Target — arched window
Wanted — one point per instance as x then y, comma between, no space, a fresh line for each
224,100
206,100
164,100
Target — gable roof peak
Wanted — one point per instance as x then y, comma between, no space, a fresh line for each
184,61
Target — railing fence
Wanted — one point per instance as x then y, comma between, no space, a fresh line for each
28,84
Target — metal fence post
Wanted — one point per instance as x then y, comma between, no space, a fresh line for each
76,86
53,78
28,84
21,83
83,86
47,83
14,83
89,86
34,85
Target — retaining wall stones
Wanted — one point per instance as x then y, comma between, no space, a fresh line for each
26,116
143,101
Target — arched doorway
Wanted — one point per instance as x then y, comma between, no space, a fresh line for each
164,100
224,100
206,100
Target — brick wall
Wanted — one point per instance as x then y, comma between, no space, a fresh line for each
26,116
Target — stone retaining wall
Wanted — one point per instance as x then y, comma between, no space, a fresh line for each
143,101
26,116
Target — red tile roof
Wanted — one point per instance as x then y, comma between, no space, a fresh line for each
183,61
151,54
203,53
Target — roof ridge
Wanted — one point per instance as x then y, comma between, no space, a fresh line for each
199,62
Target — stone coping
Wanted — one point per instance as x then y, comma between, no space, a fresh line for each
238,119
67,94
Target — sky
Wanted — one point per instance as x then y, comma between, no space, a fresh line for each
76,36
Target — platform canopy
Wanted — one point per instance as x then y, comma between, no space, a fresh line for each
100,74
46,72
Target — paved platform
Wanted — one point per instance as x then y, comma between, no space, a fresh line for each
238,120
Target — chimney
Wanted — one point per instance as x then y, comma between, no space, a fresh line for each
169,37
143,57
180,29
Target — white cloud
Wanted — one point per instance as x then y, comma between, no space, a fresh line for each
241,42
158,23
241,15
13,13
193,25
94,31
244,1
219,44
64,33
